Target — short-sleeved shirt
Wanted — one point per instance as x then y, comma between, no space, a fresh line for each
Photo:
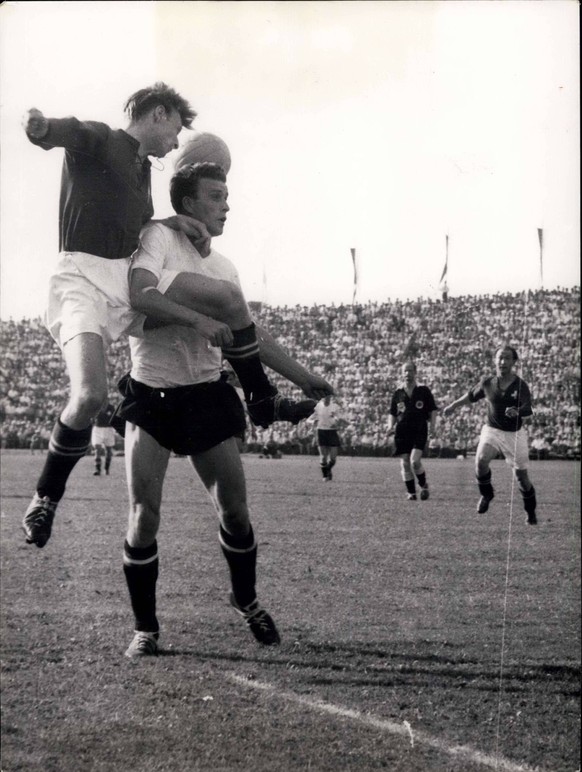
517,394
326,415
412,412
105,188
176,355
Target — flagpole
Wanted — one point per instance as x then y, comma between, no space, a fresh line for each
443,286
353,253
541,240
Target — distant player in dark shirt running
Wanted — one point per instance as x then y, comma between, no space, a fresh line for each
412,411
508,403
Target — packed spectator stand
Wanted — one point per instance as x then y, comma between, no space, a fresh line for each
360,350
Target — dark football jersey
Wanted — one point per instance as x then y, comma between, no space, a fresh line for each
412,412
517,394
104,417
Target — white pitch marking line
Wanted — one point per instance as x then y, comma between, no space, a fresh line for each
404,729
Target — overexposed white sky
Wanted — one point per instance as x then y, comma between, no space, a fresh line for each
382,126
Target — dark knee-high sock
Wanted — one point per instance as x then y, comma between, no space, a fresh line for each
140,566
485,487
241,556
410,485
244,358
324,468
529,500
421,479
66,447
108,460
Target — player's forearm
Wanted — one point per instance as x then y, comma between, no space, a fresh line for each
160,309
69,133
432,421
464,400
274,356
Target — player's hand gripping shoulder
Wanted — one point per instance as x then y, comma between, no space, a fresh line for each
35,124
194,229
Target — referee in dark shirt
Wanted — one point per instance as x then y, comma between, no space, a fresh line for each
412,410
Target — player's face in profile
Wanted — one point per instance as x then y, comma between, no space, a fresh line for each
504,362
210,206
166,131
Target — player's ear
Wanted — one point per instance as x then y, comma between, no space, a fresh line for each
188,204
159,113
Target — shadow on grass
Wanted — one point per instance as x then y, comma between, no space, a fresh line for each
361,664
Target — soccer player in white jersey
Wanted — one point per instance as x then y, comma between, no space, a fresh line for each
328,418
508,404
175,399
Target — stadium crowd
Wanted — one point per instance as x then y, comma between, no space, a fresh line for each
360,350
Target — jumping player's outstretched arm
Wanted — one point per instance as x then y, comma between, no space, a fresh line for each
78,136
274,356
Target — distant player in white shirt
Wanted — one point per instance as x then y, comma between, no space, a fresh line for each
328,418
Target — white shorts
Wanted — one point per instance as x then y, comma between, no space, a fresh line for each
513,445
103,435
91,294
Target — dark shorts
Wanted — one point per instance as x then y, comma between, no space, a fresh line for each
187,419
329,438
407,441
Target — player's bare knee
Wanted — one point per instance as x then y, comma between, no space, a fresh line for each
86,403
235,520
522,478
144,522
481,466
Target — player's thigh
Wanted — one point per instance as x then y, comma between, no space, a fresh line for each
84,357
146,462
222,474
485,454
212,297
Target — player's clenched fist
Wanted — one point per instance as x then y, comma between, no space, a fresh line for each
35,124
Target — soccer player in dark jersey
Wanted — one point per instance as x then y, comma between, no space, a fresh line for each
103,438
508,404
105,200
412,411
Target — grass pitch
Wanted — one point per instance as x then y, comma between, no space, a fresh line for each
416,635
